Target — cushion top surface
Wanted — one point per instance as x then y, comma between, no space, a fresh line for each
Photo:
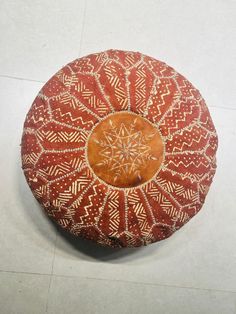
119,148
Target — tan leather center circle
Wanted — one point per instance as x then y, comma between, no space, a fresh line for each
125,150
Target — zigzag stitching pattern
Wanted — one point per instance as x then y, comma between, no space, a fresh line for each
63,136
114,216
90,205
139,211
77,202
189,144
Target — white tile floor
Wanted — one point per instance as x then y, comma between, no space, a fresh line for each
42,269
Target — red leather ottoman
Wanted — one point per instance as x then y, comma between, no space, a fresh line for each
119,148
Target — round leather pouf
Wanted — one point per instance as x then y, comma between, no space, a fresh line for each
119,148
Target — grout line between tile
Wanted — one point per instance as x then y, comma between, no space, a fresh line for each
83,27
21,78
117,280
24,272
221,107
51,275
148,283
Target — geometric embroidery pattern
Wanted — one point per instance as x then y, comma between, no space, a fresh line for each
56,141
125,150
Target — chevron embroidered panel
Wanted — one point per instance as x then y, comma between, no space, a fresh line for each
119,148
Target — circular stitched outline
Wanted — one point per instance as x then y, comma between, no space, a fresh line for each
125,188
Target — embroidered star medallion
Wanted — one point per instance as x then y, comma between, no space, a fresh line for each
125,150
